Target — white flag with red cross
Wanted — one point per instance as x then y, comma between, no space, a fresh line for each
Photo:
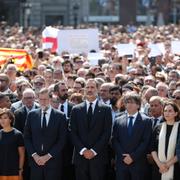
50,39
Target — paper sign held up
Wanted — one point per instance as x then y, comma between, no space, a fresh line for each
175,47
78,41
126,49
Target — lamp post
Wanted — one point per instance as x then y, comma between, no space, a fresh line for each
174,12
26,14
75,14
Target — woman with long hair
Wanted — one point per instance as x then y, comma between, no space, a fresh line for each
164,142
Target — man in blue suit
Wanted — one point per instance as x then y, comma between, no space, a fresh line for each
131,137
44,136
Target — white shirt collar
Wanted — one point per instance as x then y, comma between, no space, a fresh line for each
48,111
33,107
65,104
93,104
88,103
134,115
159,118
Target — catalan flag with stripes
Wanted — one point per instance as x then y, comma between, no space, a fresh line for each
19,57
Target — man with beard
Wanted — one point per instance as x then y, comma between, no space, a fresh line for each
116,93
61,90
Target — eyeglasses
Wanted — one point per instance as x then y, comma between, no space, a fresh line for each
38,83
177,98
28,98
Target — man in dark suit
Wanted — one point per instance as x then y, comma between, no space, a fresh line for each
65,106
28,98
44,136
131,137
61,90
90,125
155,112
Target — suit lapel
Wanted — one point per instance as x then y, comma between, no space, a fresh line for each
39,117
84,114
95,114
124,122
25,112
51,118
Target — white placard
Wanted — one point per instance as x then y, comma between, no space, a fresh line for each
78,40
93,58
161,47
175,47
126,49
155,51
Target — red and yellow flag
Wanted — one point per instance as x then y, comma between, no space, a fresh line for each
19,57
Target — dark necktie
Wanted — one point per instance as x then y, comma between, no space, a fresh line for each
62,108
89,114
155,120
44,121
130,125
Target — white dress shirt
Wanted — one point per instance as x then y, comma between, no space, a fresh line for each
65,104
134,118
93,107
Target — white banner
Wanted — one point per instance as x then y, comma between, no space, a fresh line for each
126,49
78,41
175,47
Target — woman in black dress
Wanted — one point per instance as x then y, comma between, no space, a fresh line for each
164,142
11,148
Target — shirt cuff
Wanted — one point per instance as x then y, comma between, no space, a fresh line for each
34,154
49,155
82,150
93,152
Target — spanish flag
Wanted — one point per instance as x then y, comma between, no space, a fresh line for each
19,57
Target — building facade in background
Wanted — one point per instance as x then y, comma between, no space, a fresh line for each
72,12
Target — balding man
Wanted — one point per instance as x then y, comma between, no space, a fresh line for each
28,99
4,84
105,93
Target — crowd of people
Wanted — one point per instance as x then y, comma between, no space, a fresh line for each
66,119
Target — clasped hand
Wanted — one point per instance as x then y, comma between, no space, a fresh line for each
127,159
163,168
41,160
88,154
